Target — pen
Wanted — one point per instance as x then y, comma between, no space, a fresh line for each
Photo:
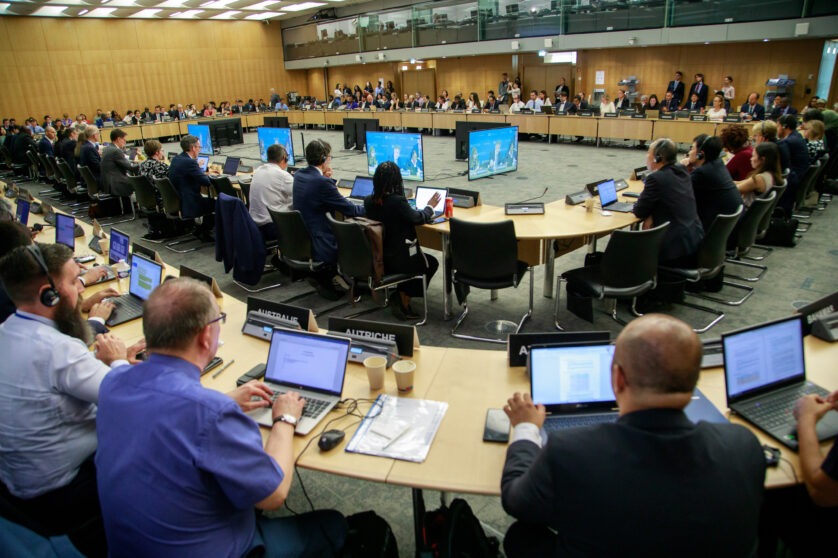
223,368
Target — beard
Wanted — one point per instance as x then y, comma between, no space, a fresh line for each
70,321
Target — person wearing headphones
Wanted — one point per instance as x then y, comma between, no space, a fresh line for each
315,194
714,190
49,394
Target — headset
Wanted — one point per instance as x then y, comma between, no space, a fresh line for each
50,296
323,156
700,154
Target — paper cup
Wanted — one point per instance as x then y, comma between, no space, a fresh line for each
375,366
404,371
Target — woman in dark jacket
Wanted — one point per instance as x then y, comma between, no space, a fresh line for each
402,254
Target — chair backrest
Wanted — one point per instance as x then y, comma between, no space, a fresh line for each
33,160
631,257
146,199
779,190
67,173
171,201
818,178
53,165
222,185
805,183
354,252
90,181
293,238
746,233
245,187
43,163
484,250
7,155
713,251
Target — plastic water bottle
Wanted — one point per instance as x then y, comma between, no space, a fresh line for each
122,271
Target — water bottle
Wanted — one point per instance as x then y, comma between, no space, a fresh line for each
122,271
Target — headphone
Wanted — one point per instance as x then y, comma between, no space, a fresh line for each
658,147
322,154
700,155
50,296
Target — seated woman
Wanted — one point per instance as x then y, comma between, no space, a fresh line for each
402,253
473,104
717,112
654,104
766,174
735,141
813,132
605,105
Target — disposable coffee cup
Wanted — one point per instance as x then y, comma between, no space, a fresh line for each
404,371
589,205
375,366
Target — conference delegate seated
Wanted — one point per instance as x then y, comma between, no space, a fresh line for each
717,112
271,189
516,105
24,142
752,110
813,132
605,105
792,143
402,253
113,179
187,179
782,108
714,190
87,151
766,173
735,141
694,104
491,104
670,103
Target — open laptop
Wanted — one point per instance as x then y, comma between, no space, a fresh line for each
145,277
65,230
765,374
608,198
22,212
424,195
118,247
361,188
231,169
311,364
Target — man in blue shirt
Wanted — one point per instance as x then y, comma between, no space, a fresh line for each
181,466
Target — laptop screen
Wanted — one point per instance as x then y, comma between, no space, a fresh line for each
307,361
424,195
118,247
22,213
571,374
231,166
203,162
145,276
763,357
362,187
65,229
607,192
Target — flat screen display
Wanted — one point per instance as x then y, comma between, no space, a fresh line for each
65,230
118,247
403,149
202,132
22,214
278,136
492,151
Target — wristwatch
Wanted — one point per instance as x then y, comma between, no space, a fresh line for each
289,419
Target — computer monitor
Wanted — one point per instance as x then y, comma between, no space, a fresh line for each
22,212
231,166
355,132
403,149
65,230
279,136
492,152
118,246
202,132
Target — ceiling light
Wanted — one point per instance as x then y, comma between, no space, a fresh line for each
49,11
146,13
188,14
84,11
4,6
226,15
101,12
171,4
105,1
217,4
264,15
302,6
260,7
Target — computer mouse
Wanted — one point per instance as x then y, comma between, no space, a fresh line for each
330,439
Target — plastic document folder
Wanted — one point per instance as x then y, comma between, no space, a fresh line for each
399,428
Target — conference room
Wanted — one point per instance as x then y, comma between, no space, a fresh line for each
211,59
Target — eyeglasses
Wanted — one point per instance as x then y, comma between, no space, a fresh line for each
222,318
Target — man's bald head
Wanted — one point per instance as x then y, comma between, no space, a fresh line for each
659,355
176,312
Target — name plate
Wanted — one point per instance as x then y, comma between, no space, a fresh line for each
666,117
518,344
284,312
638,115
735,118
610,115
698,118
210,281
586,113
405,337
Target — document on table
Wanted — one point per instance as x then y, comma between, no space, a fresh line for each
399,428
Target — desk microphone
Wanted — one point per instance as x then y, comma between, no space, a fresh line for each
38,227
537,197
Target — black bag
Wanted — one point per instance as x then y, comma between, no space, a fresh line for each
369,536
781,232
455,532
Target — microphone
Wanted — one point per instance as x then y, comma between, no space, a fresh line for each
537,197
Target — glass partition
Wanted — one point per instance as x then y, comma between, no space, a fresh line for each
688,12
446,23
589,16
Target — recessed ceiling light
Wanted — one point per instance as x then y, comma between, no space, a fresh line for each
101,12
260,7
146,13
171,4
226,15
302,6
84,11
49,11
264,15
217,4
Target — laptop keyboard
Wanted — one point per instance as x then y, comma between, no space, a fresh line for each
312,408
775,412
125,304
562,423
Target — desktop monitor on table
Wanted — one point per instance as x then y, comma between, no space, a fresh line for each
403,149
202,132
279,136
493,151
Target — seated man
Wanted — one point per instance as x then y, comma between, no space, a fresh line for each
782,108
49,393
187,179
645,485
271,188
113,179
670,103
714,190
793,144
45,146
752,110
314,195
516,105
181,467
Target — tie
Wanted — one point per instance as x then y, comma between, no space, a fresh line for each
698,89
750,109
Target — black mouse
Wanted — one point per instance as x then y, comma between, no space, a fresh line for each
330,439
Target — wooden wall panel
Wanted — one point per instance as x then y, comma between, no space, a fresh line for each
359,74
472,73
316,84
58,65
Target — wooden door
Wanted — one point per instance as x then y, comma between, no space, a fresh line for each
423,80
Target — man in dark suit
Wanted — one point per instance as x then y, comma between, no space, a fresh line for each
576,107
669,103
89,151
714,190
694,104
752,110
563,105
668,196
314,195
45,146
562,88
798,158
676,87
783,109
622,102
23,142
187,179
651,482
699,88
113,179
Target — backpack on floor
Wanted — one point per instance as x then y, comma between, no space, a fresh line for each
455,532
369,536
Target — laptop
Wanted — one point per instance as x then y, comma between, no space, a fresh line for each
311,364
231,166
118,247
361,188
22,212
65,230
608,198
145,277
765,374
424,195
203,162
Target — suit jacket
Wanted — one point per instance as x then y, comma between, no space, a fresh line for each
798,157
698,105
399,220
23,143
89,157
45,147
66,149
113,178
702,94
238,242
491,106
314,196
714,191
643,486
757,113
668,196
187,179
677,90
779,111
670,106
561,88
573,109
622,104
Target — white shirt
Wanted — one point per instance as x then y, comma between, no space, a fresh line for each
271,188
606,107
535,106
516,107
49,388
716,115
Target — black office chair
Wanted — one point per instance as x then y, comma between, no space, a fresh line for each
765,224
628,269
171,207
800,211
222,185
35,168
710,262
355,261
245,188
485,256
146,197
18,169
